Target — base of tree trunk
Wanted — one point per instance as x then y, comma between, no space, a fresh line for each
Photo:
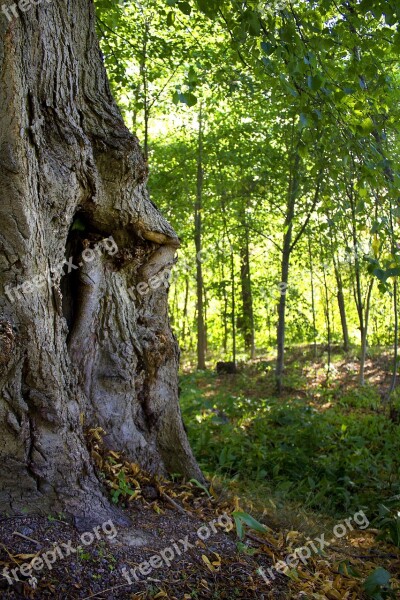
81,345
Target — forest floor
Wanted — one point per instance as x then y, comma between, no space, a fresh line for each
310,478
322,452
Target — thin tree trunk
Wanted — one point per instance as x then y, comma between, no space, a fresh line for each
232,274
328,319
225,305
396,341
205,317
286,252
342,307
365,333
146,102
312,296
185,307
201,332
247,298
357,289
233,304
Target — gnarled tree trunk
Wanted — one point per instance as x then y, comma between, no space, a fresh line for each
91,347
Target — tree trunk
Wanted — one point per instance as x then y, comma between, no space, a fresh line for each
364,333
395,343
285,263
143,73
201,330
328,319
342,307
282,311
233,303
247,317
362,310
72,175
186,326
313,311
225,302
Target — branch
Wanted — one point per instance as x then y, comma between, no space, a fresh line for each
307,220
264,235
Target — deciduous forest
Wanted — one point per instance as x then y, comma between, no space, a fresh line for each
202,394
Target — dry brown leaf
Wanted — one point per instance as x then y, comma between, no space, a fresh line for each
208,564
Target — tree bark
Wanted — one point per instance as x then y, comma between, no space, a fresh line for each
233,303
201,329
103,355
247,317
328,318
342,306
364,332
313,311
285,264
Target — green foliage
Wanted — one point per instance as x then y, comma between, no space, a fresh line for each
388,521
83,554
124,490
336,460
242,518
377,586
275,81
201,486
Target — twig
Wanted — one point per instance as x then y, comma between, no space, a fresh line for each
8,552
175,504
107,590
373,554
25,537
260,541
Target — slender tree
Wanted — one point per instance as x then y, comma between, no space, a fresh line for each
201,328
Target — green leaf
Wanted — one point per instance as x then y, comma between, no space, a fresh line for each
373,585
346,569
190,99
243,518
390,16
304,121
209,7
393,272
367,126
185,7
246,550
380,274
252,22
267,48
314,82
201,486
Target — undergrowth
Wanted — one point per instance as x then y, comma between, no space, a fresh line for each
332,449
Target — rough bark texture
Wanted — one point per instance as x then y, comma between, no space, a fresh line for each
94,354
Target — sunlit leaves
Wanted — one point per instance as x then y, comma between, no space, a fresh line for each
185,98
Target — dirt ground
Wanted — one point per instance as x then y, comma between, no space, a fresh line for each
196,559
